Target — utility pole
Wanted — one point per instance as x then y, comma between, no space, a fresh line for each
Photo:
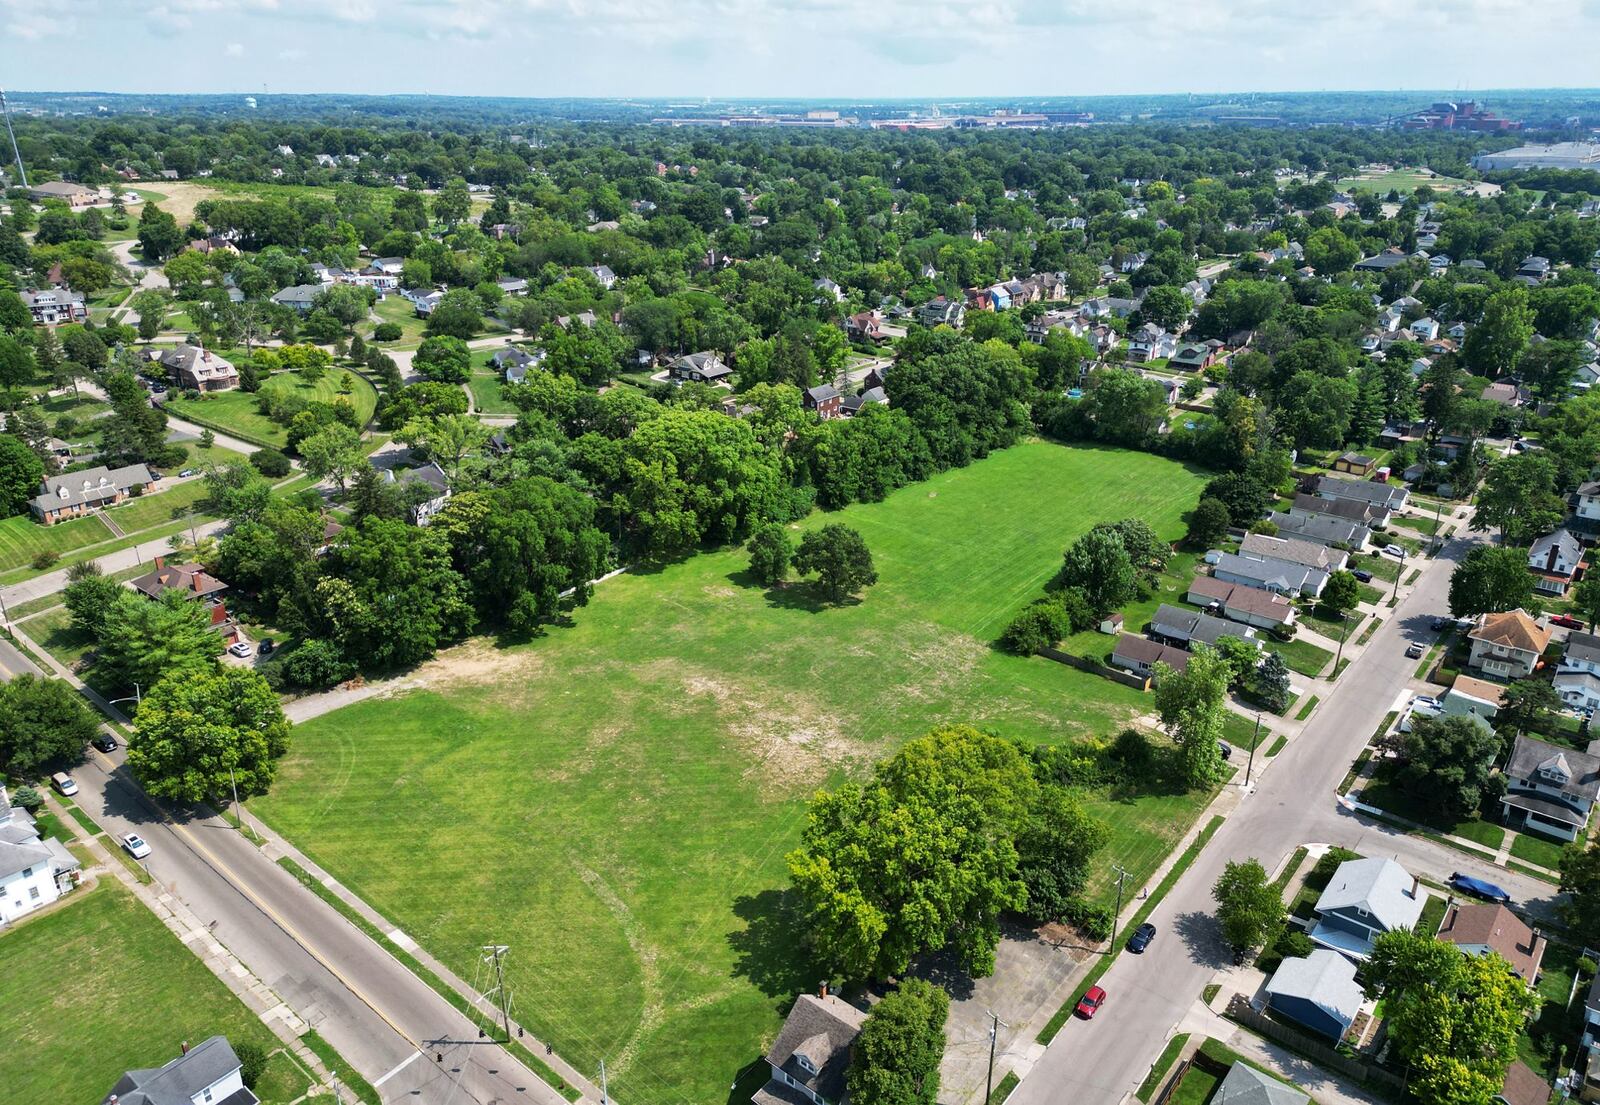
1122,874
994,1029
5,106
238,814
496,953
1254,737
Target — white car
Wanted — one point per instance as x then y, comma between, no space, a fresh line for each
136,846
240,649
1395,551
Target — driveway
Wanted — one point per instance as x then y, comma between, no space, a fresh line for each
1096,1063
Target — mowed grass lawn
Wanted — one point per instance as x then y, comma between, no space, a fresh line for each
615,800
100,986
21,538
487,385
237,412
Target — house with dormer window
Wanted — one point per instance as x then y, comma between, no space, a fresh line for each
1550,789
1365,899
810,1056
1508,644
73,494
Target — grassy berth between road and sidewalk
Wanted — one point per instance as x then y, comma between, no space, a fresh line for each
1158,1073
695,772
1003,1090
539,1067
1184,862
1306,708
341,1070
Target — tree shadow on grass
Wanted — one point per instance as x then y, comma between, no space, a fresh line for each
770,949
806,595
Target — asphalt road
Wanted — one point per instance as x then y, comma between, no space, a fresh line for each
1097,1062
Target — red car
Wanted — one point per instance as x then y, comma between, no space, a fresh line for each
1567,621
1088,1005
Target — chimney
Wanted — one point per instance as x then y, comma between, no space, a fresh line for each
184,1047
160,562
219,614
822,988
1415,883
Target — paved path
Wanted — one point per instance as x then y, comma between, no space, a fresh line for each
1098,1062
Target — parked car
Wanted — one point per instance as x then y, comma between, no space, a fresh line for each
105,742
1088,1005
186,473
1362,576
1395,551
266,646
135,846
1414,650
240,649
1438,624
1426,703
1478,888
1140,940
1567,621
1225,749
64,783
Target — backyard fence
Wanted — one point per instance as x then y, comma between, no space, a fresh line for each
1116,675
1240,1009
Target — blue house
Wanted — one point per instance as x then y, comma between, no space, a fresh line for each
1319,992
1365,899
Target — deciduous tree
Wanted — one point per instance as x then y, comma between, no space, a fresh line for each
1489,580
895,1060
1249,907
199,736
839,558
771,553
42,722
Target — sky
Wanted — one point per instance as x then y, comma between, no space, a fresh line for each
794,48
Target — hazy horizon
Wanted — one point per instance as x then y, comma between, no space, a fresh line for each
789,49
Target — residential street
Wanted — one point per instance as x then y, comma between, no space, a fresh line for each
385,1021
1100,1061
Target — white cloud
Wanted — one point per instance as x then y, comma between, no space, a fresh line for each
234,50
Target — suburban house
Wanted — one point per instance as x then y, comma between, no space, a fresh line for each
826,289
1309,553
942,311
1472,698
1355,464
1349,510
374,277
1150,342
1382,262
511,286
50,306
427,490
1195,356
1240,603
1140,656
33,872
1268,573
809,1058
513,363
1550,789
75,195
1175,625
190,579
1523,1086
1580,690
74,494
1324,529
1588,504
867,326
207,1074
391,265
851,404
1554,560
1424,329
604,275
423,301
196,368
1508,645
1381,495
1364,899
1582,653
699,368
298,297
825,400
1478,928
1244,1085
1589,1042
1318,992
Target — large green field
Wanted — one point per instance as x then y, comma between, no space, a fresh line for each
615,800
235,412
99,987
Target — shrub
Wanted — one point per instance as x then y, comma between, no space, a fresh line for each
1038,626
318,664
1294,944
252,1061
44,558
270,462
387,331
1131,752
1094,921
28,798
1322,873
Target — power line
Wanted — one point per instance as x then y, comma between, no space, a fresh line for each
5,107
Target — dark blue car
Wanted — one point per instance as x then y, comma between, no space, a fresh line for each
1140,940
1478,888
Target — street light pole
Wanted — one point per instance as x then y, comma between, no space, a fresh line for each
994,1026
238,815
1117,914
1344,631
1254,737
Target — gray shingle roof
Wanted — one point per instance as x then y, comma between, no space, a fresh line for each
1192,625
1380,886
1583,647
818,1034
1325,978
91,485
1547,763
177,1083
1248,1086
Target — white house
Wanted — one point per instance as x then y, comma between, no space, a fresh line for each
1425,329
427,490
1589,501
1554,560
603,273
33,872
829,289
1549,788
1580,690
207,1074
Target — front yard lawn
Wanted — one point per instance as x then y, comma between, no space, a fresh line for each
1301,656
646,768
21,538
1557,1027
236,412
101,986
1539,850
